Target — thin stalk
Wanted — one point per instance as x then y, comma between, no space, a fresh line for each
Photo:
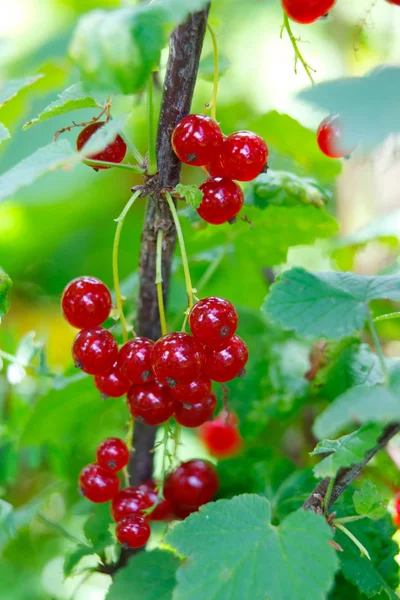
213,103
129,443
378,347
159,282
342,520
64,532
103,163
134,151
298,54
150,127
393,315
353,538
213,266
328,493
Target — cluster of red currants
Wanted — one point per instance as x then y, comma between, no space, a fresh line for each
197,140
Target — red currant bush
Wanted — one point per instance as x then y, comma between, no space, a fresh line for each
196,140
86,302
177,357
163,510
244,155
193,484
221,436
307,12
194,415
95,351
98,484
193,392
128,502
133,532
213,321
112,455
329,138
221,202
134,360
114,152
112,384
226,364
151,403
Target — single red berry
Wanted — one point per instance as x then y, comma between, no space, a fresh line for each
307,12
221,436
329,138
112,384
86,302
396,2
134,360
114,152
151,403
226,364
163,510
196,140
181,511
130,501
193,392
177,357
112,454
97,484
133,532
193,484
213,321
95,351
194,415
221,202
244,155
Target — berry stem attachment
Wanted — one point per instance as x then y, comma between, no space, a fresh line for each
129,443
150,128
298,54
378,347
124,166
353,538
159,282
342,520
117,287
213,104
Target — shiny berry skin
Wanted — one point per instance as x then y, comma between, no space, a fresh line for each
221,436
177,357
114,152
163,510
97,484
112,455
226,364
194,415
95,351
215,167
196,139
130,501
112,384
134,360
86,302
244,155
193,392
329,138
307,12
151,403
133,532
193,484
221,202
213,321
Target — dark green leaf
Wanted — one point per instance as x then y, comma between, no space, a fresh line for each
10,88
5,286
191,193
97,527
74,557
369,502
284,189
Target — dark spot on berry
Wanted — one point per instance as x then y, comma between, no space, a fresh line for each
171,382
232,221
81,492
146,375
265,168
125,546
191,158
104,396
242,373
78,364
224,331
112,464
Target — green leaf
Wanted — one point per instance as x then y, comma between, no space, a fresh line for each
235,552
74,557
191,193
5,286
151,573
7,523
11,88
73,98
369,502
332,305
4,133
284,189
97,527
206,66
346,451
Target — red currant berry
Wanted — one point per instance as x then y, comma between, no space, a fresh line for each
133,532
221,202
215,167
130,501
163,510
194,415
193,484
307,12
134,360
151,403
112,454
114,152
86,302
226,364
244,155
193,392
95,351
213,321
221,437
181,511
396,2
97,484
112,384
196,140
177,357
329,138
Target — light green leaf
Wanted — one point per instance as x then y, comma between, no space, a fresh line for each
284,189
11,88
346,451
5,286
191,193
73,98
97,527
369,502
7,523
235,552
206,66
4,133
153,574
332,305
74,557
